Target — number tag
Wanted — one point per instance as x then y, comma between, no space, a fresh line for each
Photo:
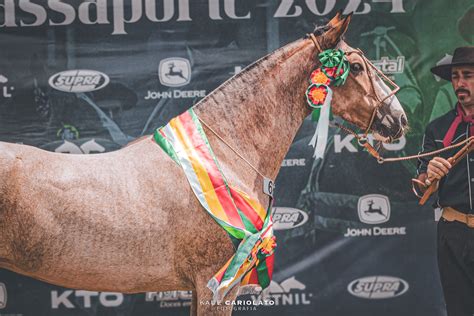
268,187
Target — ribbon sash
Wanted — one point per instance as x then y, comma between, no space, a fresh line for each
244,219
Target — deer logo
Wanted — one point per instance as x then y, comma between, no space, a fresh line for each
3,295
374,209
174,72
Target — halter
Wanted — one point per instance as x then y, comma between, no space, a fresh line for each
362,140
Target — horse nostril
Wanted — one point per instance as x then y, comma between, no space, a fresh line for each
403,120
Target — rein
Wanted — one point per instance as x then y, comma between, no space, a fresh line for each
431,184
232,148
362,139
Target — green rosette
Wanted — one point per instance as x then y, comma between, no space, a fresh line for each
335,60
331,57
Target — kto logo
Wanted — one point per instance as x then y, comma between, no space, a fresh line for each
378,287
79,80
174,72
6,89
83,299
288,218
373,209
3,295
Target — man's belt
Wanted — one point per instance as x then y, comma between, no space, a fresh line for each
450,214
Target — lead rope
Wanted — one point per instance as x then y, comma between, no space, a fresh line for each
362,140
270,196
232,148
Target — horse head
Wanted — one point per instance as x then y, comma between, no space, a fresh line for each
367,99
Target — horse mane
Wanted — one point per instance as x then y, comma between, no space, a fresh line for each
320,29
247,72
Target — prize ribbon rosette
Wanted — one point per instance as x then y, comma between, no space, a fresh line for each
333,71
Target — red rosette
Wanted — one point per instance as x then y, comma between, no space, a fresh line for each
316,94
331,72
319,77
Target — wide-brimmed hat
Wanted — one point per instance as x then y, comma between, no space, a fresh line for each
462,56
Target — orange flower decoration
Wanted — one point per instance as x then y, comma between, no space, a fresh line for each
317,95
319,77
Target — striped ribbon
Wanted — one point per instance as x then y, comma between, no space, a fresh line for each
244,219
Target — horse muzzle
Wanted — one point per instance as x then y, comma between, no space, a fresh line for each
390,122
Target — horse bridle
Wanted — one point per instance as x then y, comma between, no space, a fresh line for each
362,140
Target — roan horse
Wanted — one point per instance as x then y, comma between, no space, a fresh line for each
142,229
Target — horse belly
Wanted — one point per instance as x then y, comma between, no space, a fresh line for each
107,232
132,258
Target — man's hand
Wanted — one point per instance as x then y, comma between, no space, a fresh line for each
437,168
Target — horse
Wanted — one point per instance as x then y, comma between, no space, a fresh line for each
127,221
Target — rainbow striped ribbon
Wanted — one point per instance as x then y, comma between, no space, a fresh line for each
244,219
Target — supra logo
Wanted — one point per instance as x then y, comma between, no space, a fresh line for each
288,218
287,292
79,80
373,209
3,295
378,287
174,72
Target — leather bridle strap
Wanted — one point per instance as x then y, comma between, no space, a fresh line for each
315,41
362,140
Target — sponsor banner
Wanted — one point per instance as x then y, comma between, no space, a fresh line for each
7,89
3,296
100,12
378,287
288,218
374,209
88,77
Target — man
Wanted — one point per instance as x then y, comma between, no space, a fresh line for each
456,185
444,99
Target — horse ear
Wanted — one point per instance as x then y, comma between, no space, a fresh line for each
337,27
335,19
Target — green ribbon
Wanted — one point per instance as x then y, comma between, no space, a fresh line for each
331,57
335,58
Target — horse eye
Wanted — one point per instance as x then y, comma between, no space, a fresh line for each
356,68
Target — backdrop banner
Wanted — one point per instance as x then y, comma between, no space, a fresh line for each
89,76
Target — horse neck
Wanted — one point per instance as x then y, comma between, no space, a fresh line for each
259,111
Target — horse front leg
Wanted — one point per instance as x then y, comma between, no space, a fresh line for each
204,306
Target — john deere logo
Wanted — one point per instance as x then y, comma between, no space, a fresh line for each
378,287
3,296
373,209
174,72
78,80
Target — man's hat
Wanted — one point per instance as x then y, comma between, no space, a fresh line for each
462,56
